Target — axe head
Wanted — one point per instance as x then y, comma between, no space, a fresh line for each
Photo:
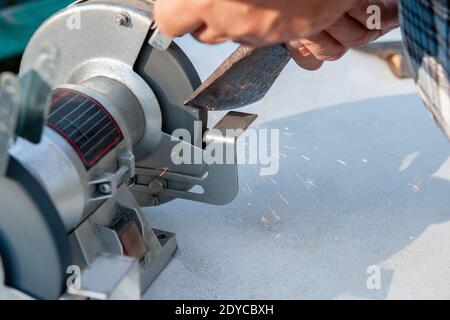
244,78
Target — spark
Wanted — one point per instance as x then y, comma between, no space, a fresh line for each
308,182
305,157
272,180
283,198
364,160
274,214
278,236
262,175
341,162
264,221
165,169
279,154
416,186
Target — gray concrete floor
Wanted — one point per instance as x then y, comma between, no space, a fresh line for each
380,172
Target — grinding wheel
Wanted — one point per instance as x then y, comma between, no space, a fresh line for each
33,244
173,79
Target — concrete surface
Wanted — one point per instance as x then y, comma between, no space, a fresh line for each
363,181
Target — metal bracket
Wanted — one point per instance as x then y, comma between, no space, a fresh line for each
159,41
108,183
218,181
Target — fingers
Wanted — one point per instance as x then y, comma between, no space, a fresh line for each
303,57
351,33
257,22
324,47
386,9
201,18
208,35
187,19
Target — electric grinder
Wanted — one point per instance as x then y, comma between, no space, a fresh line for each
72,202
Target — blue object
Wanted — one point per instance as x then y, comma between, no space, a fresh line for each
20,20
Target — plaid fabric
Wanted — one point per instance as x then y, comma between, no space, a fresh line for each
426,31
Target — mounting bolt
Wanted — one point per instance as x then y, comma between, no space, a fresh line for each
153,201
157,186
123,19
105,188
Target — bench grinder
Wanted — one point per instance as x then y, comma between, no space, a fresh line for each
86,141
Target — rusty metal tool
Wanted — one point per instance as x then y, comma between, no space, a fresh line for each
244,78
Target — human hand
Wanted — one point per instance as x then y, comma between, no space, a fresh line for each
349,31
252,22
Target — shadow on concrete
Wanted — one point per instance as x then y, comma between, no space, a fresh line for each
366,192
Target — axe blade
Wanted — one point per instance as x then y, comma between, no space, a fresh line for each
244,78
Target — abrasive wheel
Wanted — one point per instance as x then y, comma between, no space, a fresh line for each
173,79
33,243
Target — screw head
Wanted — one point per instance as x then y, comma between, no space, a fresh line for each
123,19
105,188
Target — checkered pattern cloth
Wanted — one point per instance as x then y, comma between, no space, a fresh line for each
426,31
